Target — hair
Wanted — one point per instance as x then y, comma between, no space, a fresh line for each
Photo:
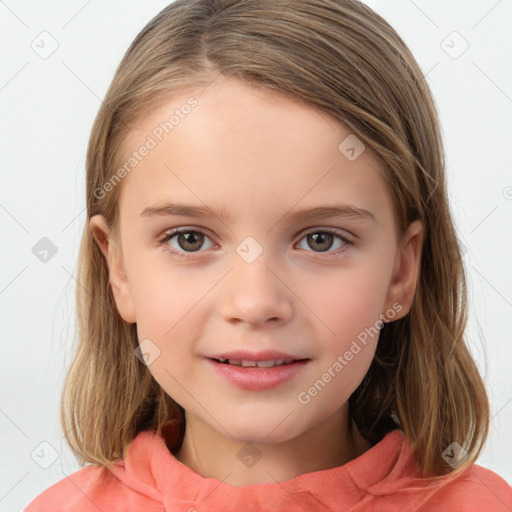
344,59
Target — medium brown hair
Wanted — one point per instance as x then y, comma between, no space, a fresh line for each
342,58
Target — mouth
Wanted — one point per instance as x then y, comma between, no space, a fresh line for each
258,375
271,363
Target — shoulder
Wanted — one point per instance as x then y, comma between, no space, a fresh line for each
94,488
476,489
65,494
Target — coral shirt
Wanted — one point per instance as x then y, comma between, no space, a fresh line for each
150,479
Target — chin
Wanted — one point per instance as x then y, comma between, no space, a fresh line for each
262,431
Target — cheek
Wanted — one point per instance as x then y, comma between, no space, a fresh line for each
350,301
164,296
168,315
171,305
350,308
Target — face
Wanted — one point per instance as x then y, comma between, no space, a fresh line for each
254,274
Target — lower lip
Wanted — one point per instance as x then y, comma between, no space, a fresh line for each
258,378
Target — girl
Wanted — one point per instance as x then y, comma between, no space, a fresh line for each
272,306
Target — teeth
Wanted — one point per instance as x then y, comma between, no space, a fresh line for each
269,364
259,364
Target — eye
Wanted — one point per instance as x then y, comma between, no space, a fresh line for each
323,240
188,240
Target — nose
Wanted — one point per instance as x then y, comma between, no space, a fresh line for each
255,294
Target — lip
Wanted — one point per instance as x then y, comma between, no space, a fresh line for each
258,379
264,355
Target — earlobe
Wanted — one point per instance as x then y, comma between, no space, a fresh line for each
117,275
406,270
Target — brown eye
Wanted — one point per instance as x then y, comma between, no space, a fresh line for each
324,240
190,240
184,241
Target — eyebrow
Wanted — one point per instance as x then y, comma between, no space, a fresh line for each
324,211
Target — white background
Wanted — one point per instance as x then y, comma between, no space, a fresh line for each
48,106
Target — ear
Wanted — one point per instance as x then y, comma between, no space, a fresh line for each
406,270
117,275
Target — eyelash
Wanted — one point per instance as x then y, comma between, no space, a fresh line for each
348,241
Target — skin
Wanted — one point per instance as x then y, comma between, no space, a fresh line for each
259,155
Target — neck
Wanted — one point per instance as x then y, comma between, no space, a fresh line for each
332,443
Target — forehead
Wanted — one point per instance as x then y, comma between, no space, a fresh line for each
236,145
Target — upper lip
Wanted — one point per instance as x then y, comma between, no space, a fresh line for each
264,355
